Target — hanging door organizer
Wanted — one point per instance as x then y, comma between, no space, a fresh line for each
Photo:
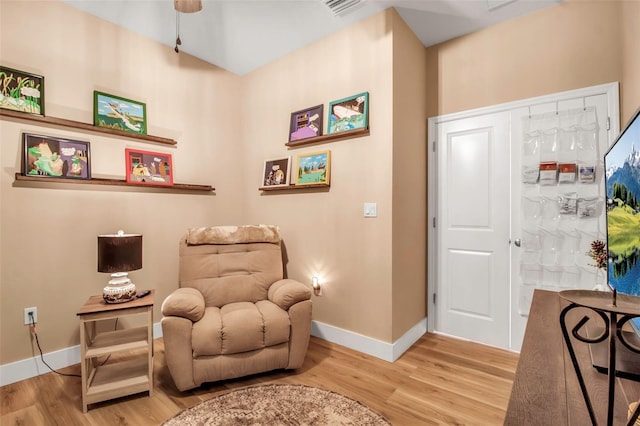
562,202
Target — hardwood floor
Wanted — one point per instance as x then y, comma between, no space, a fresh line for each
439,381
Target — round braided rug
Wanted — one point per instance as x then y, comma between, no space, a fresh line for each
278,404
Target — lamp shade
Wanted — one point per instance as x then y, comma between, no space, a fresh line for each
187,6
119,252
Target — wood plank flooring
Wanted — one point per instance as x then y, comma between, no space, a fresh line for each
438,381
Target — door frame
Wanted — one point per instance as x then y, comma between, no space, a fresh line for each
433,145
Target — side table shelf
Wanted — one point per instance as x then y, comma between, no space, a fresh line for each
115,341
121,378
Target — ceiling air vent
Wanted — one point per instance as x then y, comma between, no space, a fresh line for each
495,4
342,7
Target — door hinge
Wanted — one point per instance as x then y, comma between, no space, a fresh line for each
608,123
434,222
434,298
433,145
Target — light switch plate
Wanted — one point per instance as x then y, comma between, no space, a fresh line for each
370,210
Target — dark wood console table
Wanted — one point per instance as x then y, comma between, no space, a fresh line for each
546,389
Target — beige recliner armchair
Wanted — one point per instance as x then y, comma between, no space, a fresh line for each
234,314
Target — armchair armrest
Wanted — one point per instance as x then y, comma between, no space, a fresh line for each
286,293
184,302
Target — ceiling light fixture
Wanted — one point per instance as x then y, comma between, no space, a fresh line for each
184,6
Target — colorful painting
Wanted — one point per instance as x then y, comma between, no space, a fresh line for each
276,172
21,91
306,123
349,113
114,112
149,168
314,168
48,156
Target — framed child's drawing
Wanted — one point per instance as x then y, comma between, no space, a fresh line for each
148,168
115,112
276,172
21,91
313,168
48,156
349,113
306,123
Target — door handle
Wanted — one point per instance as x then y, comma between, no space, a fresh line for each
517,242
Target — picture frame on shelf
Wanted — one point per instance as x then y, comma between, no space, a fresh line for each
118,113
53,157
21,91
148,167
306,123
276,172
348,113
313,168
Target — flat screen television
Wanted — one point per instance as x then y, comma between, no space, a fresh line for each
622,181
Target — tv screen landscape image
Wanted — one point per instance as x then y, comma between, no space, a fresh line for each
622,179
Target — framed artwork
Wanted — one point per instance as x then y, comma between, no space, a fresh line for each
276,172
49,156
306,123
21,91
149,168
349,113
313,168
114,112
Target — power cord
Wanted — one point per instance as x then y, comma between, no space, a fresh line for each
32,326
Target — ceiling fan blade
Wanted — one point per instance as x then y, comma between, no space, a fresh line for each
187,6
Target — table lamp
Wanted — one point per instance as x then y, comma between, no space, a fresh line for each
118,254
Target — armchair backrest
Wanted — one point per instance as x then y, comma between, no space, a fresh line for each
231,264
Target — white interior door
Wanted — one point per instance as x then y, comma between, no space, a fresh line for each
475,195
473,165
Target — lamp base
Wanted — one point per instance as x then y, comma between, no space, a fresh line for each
120,289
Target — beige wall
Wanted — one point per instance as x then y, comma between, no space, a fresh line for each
630,53
324,231
373,268
575,44
48,232
409,199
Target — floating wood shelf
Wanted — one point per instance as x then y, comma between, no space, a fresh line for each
292,187
116,182
84,126
327,138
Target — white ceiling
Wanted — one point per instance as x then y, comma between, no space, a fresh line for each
242,35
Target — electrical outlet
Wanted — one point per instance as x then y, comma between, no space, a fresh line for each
27,319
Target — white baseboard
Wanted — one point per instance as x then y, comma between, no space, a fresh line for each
379,349
32,367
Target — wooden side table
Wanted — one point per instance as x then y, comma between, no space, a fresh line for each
113,380
545,389
614,310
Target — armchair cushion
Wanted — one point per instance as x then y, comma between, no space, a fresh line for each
286,293
240,327
231,272
184,302
233,235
